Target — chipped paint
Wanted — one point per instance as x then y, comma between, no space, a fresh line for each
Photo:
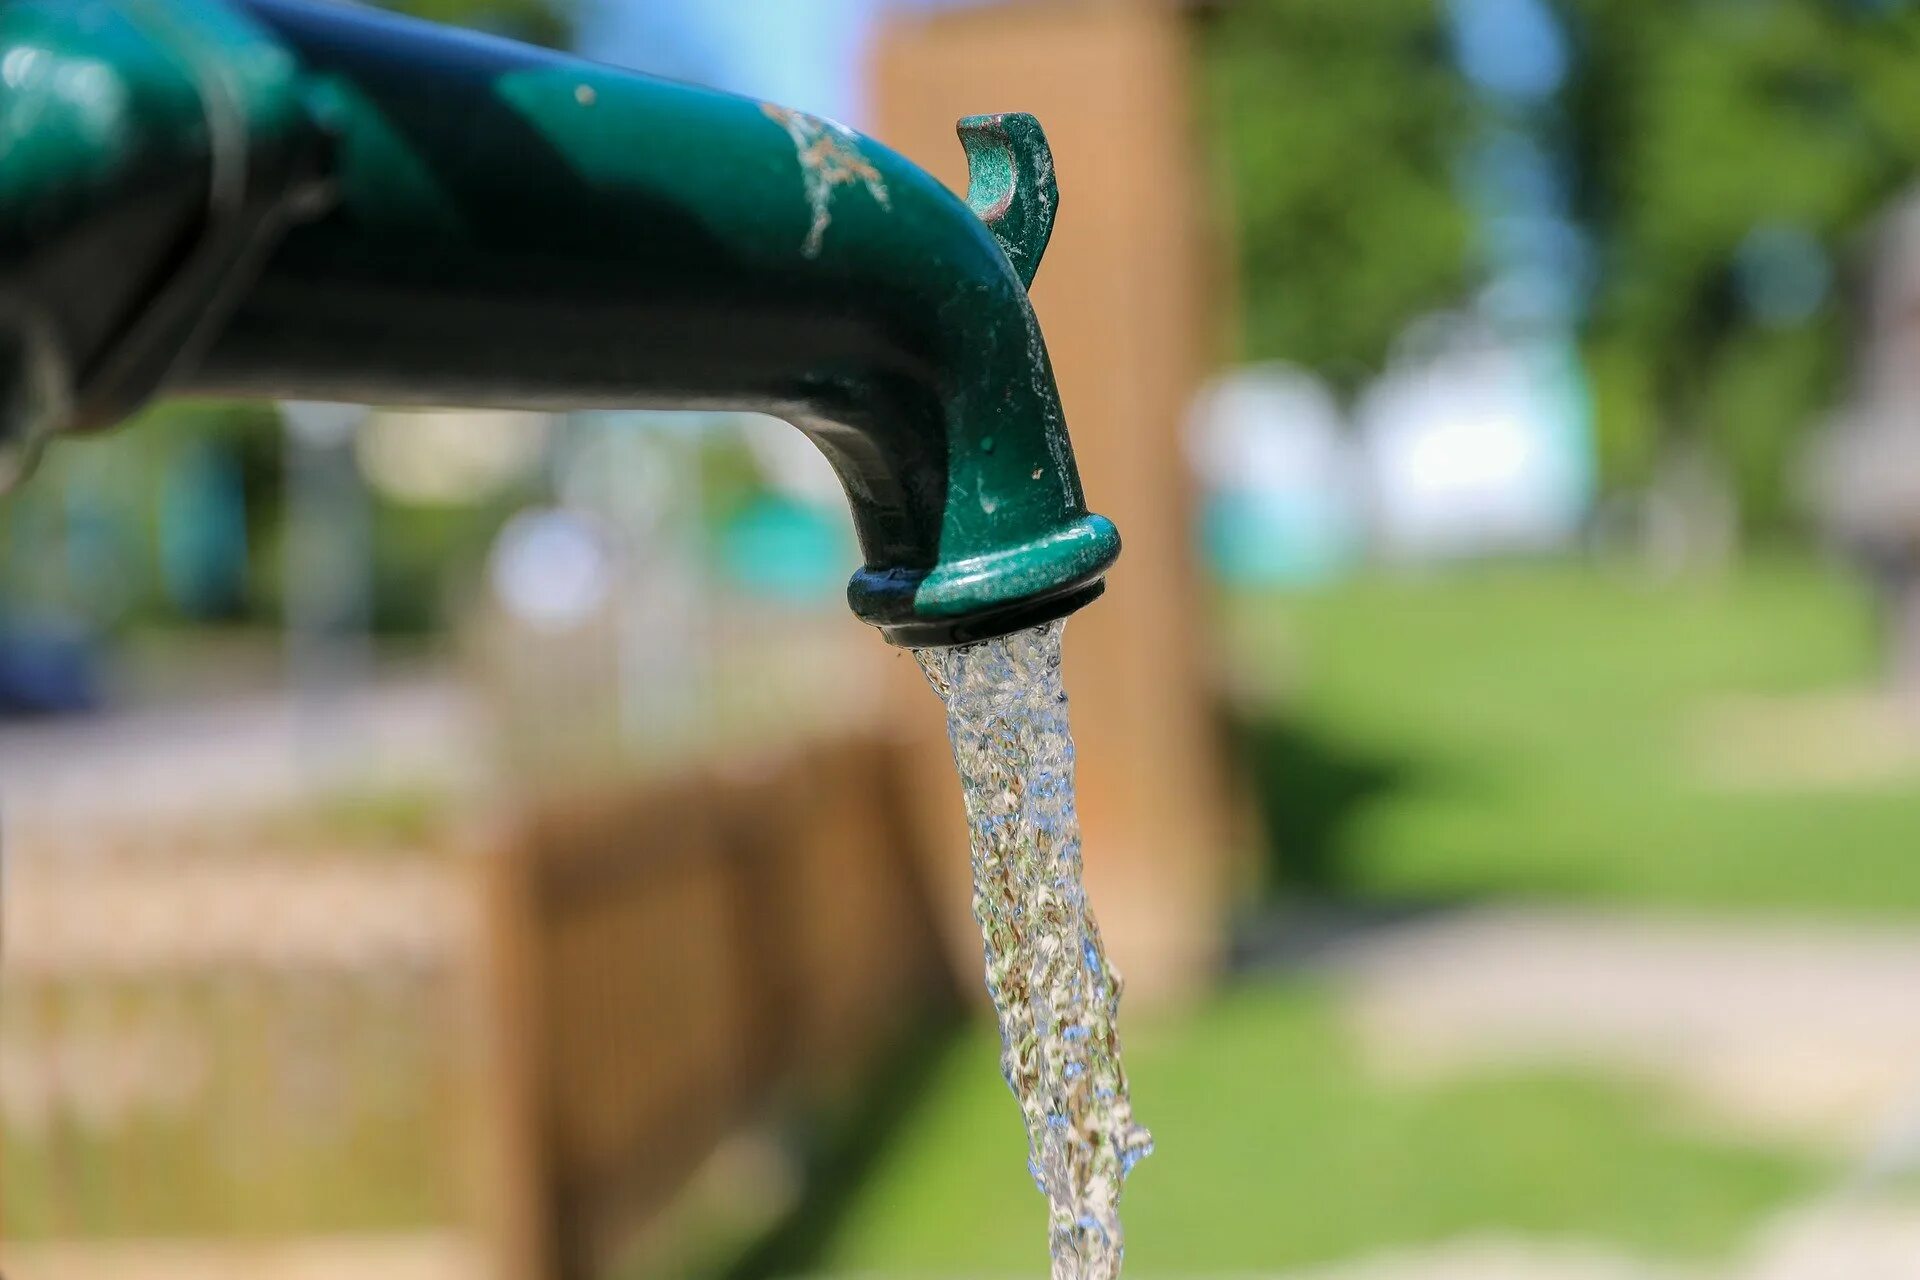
829,155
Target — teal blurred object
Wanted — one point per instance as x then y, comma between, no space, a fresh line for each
278,198
783,550
203,532
1282,478
1253,539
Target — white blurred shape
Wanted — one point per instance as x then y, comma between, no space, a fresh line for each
1269,445
1269,427
632,469
1466,452
790,462
551,569
320,423
449,457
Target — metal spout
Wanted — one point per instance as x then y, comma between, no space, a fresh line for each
317,201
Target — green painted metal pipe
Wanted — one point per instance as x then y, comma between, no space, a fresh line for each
309,200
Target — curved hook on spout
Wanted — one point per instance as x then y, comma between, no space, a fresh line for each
1010,185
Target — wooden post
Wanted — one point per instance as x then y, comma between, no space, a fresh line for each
1123,296
511,1174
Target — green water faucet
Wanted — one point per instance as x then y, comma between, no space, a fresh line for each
312,200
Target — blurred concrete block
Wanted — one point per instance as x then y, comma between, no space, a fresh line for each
1803,1030
1842,1240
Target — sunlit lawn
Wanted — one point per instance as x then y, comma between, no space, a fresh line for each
1519,732
1276,1149
1550,732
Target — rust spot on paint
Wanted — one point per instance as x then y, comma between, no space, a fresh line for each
829,155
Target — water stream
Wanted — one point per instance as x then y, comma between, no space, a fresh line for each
1056,995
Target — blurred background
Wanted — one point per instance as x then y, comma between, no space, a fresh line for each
457,844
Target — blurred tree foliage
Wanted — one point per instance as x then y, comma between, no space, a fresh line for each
1700,127
1700,131
1337,125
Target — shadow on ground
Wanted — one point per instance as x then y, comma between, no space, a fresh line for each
843,1153
1325,884
1309,792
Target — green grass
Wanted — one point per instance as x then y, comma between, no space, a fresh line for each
1534,732
1520,732
1277,1150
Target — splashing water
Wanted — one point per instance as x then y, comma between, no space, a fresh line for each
1056,994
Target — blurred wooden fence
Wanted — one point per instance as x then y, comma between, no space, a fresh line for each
222,1055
